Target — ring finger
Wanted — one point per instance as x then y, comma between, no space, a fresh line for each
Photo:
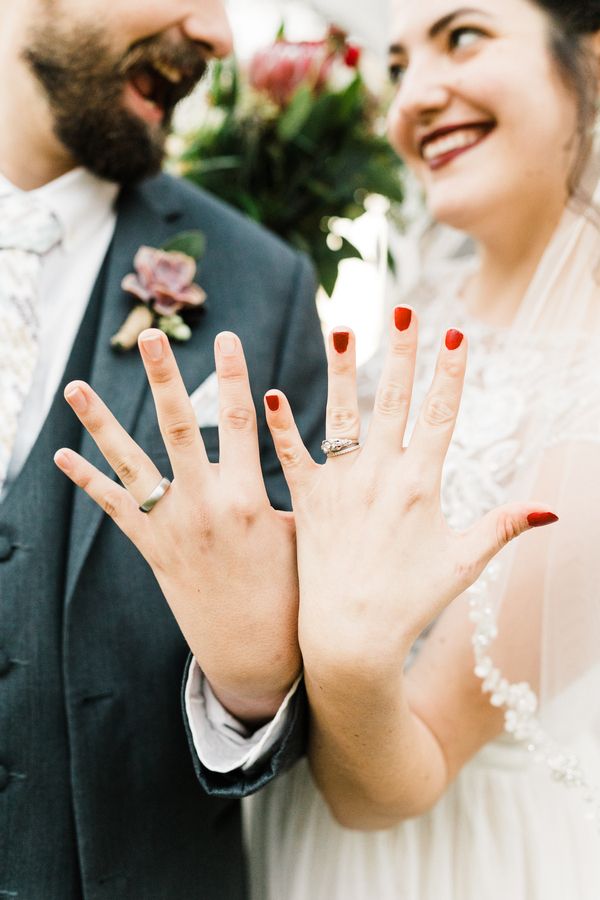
343,420
129,463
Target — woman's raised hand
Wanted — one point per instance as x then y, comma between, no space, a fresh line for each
377,561
224,558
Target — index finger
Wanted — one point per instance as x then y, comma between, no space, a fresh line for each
176,417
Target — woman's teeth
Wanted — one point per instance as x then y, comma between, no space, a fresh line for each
448,143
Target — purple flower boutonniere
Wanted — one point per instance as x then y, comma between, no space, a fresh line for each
164,281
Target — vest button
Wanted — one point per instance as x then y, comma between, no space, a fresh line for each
5,662
4,778
6,548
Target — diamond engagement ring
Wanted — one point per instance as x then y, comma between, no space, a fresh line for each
339,446
157,494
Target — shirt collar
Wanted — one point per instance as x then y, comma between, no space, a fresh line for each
81,201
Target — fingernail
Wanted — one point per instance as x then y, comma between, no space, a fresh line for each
76,399
537,519
402,317
273,402
62,459
226,344
153,347
341,340
454,339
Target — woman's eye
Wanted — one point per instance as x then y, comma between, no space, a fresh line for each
461,38
395,72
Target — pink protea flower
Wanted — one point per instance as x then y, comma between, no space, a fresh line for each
164,279
280,69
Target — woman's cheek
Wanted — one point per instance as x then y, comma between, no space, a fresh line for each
396,133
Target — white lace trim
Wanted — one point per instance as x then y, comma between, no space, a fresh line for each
520,702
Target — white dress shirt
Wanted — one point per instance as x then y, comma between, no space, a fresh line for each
85,207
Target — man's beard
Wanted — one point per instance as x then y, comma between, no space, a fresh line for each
84,83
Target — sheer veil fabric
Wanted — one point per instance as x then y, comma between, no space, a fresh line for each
538,653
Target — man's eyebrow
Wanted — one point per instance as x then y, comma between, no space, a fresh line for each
442,24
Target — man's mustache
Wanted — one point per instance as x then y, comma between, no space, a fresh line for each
189,60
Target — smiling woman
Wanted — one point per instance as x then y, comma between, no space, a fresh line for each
445,734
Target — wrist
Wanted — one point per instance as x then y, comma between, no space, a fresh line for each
252,705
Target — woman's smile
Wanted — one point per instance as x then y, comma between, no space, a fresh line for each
443,145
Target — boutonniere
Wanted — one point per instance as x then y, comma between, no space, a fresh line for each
164,282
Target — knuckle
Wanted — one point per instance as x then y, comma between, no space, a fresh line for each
244,509
452,367
232,374
414,491
161,373
343,419
127,470
205,529
239,418
289,456
110,504
392,401
402,350
438,412
180,433
507,528
93,422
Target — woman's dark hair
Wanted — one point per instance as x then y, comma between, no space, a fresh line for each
571,22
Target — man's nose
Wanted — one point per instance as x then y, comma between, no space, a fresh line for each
207,24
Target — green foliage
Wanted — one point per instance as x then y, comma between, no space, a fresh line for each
294,168
192,243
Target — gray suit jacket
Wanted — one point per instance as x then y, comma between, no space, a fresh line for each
98,794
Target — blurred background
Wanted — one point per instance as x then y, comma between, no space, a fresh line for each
294,135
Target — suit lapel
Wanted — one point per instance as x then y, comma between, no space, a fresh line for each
147,215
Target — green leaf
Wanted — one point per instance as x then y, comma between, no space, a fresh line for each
328,263
294,117
193,243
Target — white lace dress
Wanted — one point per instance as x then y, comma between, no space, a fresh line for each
506,829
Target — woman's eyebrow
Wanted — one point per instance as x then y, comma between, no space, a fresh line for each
442,24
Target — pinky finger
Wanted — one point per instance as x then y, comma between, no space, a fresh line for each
296,462
113,499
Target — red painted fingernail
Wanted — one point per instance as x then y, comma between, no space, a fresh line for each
454,339
341,340
402,317
537,519
272,402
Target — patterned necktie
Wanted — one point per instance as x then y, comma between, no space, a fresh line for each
27,231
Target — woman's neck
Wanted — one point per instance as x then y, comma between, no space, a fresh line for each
508,262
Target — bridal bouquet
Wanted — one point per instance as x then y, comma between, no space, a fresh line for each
295,141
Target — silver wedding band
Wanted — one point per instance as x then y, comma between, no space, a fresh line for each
157,494
339,446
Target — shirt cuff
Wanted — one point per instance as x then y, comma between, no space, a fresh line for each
222,743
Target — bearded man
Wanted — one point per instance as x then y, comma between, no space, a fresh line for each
98,794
